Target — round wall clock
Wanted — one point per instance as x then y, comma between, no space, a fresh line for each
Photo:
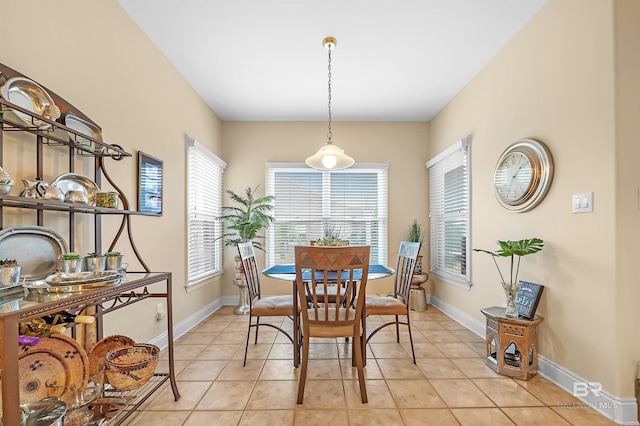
523,175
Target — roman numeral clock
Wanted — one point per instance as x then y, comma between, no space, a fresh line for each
523,175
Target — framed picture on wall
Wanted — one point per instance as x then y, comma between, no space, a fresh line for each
149,184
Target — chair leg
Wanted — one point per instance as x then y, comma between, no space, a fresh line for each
257,328
246,346
397,330
303,368
357,347
413,353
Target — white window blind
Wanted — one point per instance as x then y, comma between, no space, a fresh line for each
449,210
310,203
205,173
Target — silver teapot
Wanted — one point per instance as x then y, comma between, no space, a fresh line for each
33,188
52,192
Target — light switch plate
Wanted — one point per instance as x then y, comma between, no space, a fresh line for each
582,203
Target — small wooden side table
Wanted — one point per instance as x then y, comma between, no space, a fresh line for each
511,344
417,293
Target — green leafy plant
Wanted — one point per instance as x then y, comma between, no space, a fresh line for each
332,238
247,218
514,249
93,254
70,256
112,254
415,233
6,181
8,262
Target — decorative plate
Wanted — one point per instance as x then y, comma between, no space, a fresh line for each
35,367
74,181
83,127
31,96
71,352
98,351
35,248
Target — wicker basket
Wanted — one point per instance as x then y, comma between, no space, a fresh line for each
131,367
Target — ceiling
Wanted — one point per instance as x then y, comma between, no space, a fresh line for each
395,60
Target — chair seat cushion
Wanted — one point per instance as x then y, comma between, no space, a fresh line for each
273,306
384,305
321,328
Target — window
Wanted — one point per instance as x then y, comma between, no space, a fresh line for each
449,205
204,200
310,203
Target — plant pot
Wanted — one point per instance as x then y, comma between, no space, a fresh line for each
10,276
238,268
70,266
5,188
511,291
418,269
95,264
113,263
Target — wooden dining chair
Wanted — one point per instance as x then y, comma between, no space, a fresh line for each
266,306
316,269
396,303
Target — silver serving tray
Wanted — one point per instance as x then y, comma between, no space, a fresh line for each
35,248
31,96
74,181
86,128
63,279
41,287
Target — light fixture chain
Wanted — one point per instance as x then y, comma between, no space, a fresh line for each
329,135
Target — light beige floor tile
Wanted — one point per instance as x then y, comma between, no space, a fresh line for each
399,369
425,326
323,350
506,393
217,352
582,415
426,350
275,417
388,350
375,417
190,394
178,366
236,327
254,351
481,417
225,310
378,395
547,392
439,368
456,350
209,327
468,336
232,337
418,336
273,395
281,338
475,368
197,338
279,369
451,325
428,417
281,351
222,418
321,394
371,370
479,348
324,369
226,319
535,416
414,394
460,393
345,349
184,352
440,336
235,370
266,335
154,418
226,396
321,418
382,336
201,371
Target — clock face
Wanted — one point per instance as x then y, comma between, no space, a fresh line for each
523,175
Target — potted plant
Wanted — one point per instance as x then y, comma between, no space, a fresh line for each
113,260
332,238
416,234
70,263
513,249
245,220
9,273
94,262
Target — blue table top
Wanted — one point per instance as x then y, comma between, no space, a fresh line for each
288,272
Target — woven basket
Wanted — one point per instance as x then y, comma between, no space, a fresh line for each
131,367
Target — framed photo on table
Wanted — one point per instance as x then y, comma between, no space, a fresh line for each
149,184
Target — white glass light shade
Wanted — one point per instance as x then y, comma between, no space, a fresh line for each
330,157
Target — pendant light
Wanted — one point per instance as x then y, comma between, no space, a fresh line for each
330,156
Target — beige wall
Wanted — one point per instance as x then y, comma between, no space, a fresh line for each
93,55
247,146
555,82
627,127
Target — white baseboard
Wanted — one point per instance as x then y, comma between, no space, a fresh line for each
622,411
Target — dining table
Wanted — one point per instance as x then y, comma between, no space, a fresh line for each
287,272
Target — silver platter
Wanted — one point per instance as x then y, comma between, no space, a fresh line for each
41,287
31,96
85,128
82,278
35,248
73,181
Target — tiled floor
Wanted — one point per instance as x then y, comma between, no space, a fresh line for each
450,385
